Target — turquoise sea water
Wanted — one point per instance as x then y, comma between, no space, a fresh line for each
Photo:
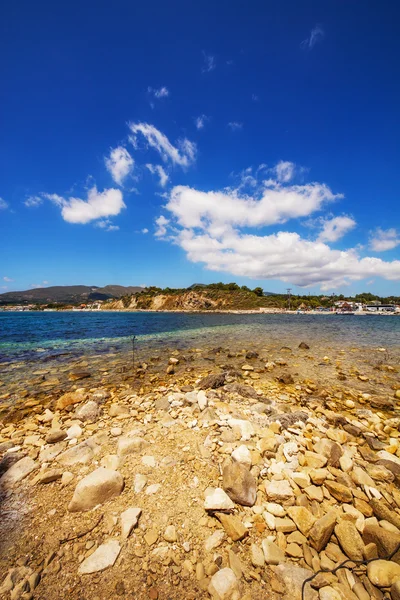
24,336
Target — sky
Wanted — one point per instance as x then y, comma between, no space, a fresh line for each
176,143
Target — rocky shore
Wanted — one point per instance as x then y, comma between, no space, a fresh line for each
217,474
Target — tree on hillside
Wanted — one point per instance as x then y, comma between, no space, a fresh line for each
258,291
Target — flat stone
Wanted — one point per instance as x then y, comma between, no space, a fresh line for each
385,541
218,500
383,511
170,534
90,411
284,525
279,491
239,484
131,445
321,531
17,472
257,556
314,460
140,482
96,488
56,436
212,381
214,540
360,477
202,400
303,518
338,491
350,540
151,536
245,428
81,453
233,526
69,399
224,585
242,455
273,555
292,578
331,450
102,558
383,573
49,475
129,519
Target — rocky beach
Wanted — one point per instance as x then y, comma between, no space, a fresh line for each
231,472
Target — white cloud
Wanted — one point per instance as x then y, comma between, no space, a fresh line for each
8,279
284,171
382,240
161,92
316,35
235,125
161,229
119,164
209,63
184,155
158,170
3,204
33,201
107,225
145,230
201,121
39,285
97,206
336,228
208,226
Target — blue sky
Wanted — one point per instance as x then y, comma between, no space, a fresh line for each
172,143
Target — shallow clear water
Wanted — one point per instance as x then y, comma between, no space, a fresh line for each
24,336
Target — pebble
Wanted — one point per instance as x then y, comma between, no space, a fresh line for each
98,487
102,558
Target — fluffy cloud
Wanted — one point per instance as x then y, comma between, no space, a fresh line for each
316,35
3,204
184,155
7,279
209,227
235,125
209,63
336,228
99,205
382,240
158,170
119,164
107,225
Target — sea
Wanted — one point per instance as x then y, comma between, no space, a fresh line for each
38,336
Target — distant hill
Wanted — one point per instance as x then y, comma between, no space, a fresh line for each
68,294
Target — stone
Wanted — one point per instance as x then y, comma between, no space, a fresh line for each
224,585
314,460
69,399
360,477
303,518
345,462
214,540
385,541
90,411
301,479
257,556
129,519
246,391
383,511
170,534
74,431
131,445
321,531
292,578
275,509
102,558
245,428
49,475
331,450
395,589
318,476
338,491
314,492
111,461
284,525
329,593
279,491
151,536
304,346
233,526
273,555
202,400
290,419
140,483
96,488
152,489
239,484
56,436
118,410
383,573
242,455
17,472
218,500
293,550
350,540
212,381
81,453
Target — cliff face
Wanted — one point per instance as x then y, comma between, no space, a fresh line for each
191,301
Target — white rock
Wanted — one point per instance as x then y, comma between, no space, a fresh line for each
149,461
140,482
110,461
17,472
170,534
217,499
102,558
224,585
270,520
66,478
202,400
245,427
74,431
346,464
214,540
275,509
153,489
96,488
272,553
131,445
129,519
290,450
279,491
242,455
